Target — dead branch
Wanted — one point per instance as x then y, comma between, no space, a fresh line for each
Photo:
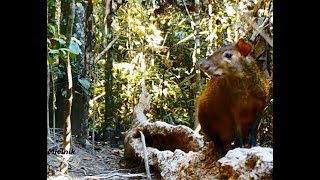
146,164
105,50
97,97
258,29
114,175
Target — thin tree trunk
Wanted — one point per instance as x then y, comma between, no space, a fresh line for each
52,12
53,105
129,42
61,81
108,70
67,113
93,115
68,101
197,46
48,97
87,65
210,27
196,56
79,111
51,20
93,122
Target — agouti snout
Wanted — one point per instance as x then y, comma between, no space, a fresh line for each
230,106
205,65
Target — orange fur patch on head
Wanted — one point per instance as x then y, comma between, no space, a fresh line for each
243,47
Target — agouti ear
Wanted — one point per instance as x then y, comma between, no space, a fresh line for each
243,47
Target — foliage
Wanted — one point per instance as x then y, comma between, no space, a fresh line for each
56,46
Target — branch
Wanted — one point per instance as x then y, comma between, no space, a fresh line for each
97,97
113,175
105,50
184,3
190,36
145,156
108,10
259,29
186,38
70,22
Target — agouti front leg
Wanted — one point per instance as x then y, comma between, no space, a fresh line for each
219,146
239,141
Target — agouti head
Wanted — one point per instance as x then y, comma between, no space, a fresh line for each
227,60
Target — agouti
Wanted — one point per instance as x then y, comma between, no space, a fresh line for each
234,98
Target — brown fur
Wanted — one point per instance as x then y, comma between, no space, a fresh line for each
234,100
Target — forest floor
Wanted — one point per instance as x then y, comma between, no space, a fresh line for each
104,163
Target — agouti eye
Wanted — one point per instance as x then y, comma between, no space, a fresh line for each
228,55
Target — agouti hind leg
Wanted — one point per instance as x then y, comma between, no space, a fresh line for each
253,133
239,141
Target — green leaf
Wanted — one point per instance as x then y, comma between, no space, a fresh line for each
74,48
50,60
60,73
61,41
53,51
51,3
73,56
76,40
85,83
63,51
55,56
62,36
51,28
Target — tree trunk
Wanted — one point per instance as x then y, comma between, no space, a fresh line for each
53,97
68,100
210,28
79,115
61,81
87,65
48,97
52,12
108,71
51,20
196,58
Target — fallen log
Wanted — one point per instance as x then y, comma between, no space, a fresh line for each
178,152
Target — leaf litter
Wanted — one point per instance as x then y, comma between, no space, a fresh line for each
104,163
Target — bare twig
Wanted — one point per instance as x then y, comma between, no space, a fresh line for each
186,38
105,50
259,29
97,97
184,3
80,169
165,39
191,36
146,164
112,175
50,139
54,146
